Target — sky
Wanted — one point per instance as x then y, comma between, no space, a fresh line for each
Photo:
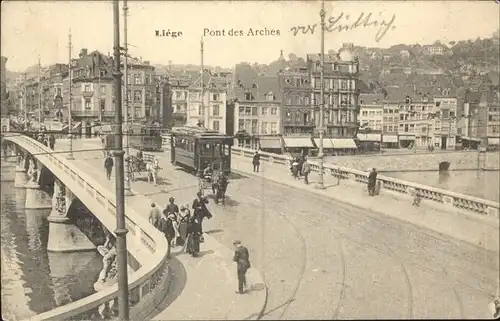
32,29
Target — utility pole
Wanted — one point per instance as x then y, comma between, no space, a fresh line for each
70,100
125,92
99,93
320,184
39,92
202,107
121,231
25,101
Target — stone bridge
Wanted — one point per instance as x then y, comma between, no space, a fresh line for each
41,171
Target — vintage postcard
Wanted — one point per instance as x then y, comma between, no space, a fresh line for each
237,160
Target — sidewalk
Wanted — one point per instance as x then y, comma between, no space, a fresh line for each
211,282
465,227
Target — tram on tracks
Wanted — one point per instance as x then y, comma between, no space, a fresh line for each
194,148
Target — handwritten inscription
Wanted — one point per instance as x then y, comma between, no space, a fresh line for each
343,23
251,32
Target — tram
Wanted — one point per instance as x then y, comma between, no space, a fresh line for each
145,137
193,148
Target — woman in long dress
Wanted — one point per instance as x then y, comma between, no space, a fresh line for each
184,217
194,234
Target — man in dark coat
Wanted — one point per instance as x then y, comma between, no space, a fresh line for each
372,181
52,141
200,208
108,165
256,161
166,226
172,208
242,259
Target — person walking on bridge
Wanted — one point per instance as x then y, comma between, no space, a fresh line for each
108,165
256,161
306,169
372,182
52,141
154,215
242,259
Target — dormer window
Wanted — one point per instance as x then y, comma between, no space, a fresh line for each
248,96
361,101
270,96
318,64
254,86
407,100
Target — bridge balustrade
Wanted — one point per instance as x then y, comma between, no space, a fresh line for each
440,196
147,245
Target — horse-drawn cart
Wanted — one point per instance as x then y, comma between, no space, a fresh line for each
139,164
217,183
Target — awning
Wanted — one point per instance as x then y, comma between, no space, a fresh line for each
273,143
390,138
292,142
493,140
406,137
327,143
369,137
471,138
344,143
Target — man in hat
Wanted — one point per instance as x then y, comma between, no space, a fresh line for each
256,161
154,215
172,208
108,165
242,259
200,208
166,226
372,181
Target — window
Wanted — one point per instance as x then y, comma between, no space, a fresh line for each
264,111
215,96
88,103
343,84
148,111
270,96
254,126
254,111
241,124
103,89
149,94
138,113
148,79
365,113
248,111
274,111
216,111
137,96
86,88
248,96
401,117
264,129
242,111
103,104
216,125
274,128
137,79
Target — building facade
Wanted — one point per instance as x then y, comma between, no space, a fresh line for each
179,92
445,127
416,121
142,88
212,112
164,101
371,110
341,92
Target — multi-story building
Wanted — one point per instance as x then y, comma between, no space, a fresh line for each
92,91
390,121
341,92
212,112
371,111
445,128
257,114
3,87
467,117
416,120
142,88
164,101
493,129
179,92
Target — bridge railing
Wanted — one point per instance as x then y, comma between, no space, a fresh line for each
146,245
437,195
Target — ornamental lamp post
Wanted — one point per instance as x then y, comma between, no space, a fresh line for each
320,184
70,101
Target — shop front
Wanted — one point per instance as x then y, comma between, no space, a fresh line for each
271,144
406,141
344,146
298,145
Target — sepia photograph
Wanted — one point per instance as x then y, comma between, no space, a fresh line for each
247,160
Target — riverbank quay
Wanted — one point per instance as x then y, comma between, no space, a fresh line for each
211,279
475,229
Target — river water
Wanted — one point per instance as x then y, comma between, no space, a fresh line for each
34,280
482,184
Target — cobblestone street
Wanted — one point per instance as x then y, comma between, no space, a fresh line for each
323,259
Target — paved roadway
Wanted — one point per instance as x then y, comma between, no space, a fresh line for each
323,259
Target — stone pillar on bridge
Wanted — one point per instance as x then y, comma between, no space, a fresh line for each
21,178
35,197
64,236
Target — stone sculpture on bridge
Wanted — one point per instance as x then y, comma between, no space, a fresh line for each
32,173
59,198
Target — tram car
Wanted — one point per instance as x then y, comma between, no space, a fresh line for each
193,148
145,137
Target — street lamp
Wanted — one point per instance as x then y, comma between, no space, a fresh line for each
320,184
70,102
121,231
127,125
